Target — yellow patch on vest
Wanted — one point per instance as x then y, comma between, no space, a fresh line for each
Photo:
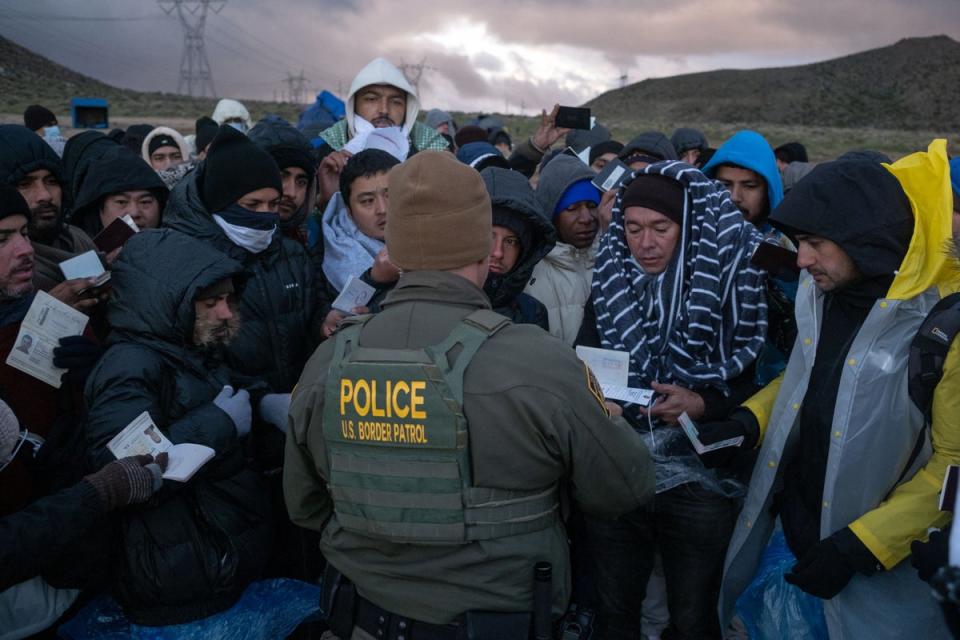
594,386
401,399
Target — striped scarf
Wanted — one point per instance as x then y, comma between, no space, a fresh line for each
704,319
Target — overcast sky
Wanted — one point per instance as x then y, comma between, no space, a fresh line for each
491,55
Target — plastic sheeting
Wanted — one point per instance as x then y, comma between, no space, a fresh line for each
267,610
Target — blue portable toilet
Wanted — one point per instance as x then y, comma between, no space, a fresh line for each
89,113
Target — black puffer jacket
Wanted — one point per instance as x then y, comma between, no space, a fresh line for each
194,547
509,190
116,170
277,303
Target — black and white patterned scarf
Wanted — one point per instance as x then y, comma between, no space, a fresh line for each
704,319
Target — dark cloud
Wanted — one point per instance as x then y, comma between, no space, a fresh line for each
536,52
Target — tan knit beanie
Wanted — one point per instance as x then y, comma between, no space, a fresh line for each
439,216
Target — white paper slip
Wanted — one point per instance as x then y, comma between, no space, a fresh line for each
690,429
627,394
46,322
356,293
948,492
143,437
609,366
85,265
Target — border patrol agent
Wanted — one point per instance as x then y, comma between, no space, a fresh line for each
430,443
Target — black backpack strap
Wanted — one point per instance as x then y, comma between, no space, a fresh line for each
928,351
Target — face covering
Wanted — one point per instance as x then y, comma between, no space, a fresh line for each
51,132
248,229
239,126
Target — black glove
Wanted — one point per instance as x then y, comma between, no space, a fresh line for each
927,557
825,569
78,355
741,422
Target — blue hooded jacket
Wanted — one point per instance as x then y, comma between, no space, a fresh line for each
750,150
955,178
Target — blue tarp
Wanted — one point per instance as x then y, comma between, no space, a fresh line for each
267,610
323,113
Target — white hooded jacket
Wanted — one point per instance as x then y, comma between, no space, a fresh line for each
380,71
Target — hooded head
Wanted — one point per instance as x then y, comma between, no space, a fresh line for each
80,151
650,147
163,148
441,121
295,157
113,188
858,206
33,167
565,185
382,72
233,113
517,210
156,280
749,150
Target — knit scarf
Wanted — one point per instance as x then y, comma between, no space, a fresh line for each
703,320
347,251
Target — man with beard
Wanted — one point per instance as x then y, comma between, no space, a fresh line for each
845,458
230,203
380,98
38,458
172,312
561,281
298,172
30,165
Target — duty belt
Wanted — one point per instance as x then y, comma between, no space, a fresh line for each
383,625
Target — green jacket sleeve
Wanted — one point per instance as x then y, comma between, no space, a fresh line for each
304,488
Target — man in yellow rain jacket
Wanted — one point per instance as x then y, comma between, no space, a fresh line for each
845,459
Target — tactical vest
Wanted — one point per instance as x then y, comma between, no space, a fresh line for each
398,447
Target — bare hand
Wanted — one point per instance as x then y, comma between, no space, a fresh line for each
548,133
605,210
68,292
329,173
613,408
674,401
332,321
384,271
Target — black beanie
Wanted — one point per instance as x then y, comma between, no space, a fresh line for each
37,116
206,128
290,156
654,191
234,167
12,203
162,140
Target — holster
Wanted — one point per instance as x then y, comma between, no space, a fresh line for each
338,602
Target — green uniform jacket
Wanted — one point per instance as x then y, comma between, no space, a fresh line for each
533,422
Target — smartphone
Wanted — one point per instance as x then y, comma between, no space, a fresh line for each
573,118
612,175
777,261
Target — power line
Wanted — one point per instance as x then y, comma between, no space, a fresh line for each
194,65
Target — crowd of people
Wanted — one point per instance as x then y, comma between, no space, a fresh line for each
453,386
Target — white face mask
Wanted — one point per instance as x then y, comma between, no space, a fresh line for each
9,434
239,126
51,132
253,240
